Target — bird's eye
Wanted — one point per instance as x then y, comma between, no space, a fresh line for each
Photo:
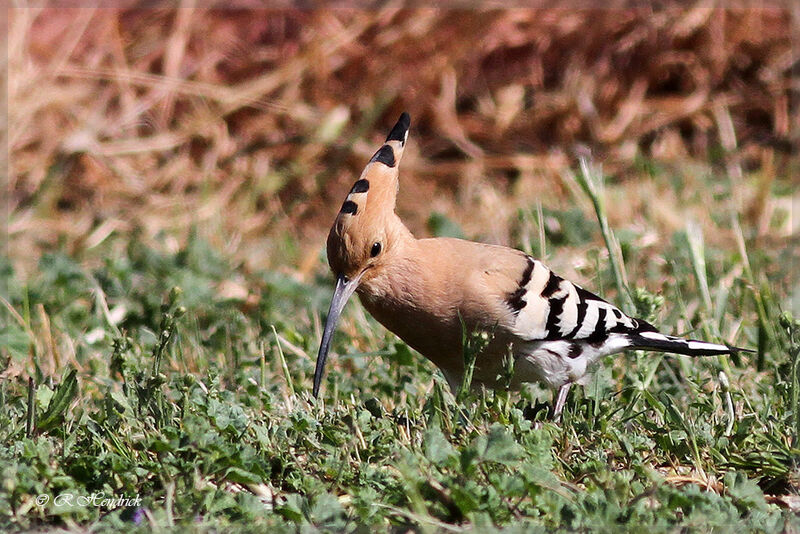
376,249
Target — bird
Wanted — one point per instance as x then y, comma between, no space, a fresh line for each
429,291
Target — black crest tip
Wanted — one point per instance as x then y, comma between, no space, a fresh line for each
349,207
361,186
400,129
385,155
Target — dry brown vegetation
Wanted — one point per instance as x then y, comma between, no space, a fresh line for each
250,124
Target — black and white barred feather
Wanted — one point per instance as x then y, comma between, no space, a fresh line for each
565,328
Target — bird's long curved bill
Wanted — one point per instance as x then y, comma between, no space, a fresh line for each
344,289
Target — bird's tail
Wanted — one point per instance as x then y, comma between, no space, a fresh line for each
654,340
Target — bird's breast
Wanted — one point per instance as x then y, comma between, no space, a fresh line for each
431,328
427,302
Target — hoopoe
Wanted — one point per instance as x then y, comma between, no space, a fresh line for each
427,291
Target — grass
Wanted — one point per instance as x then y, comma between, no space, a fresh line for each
198,403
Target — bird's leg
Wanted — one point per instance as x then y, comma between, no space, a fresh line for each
561,399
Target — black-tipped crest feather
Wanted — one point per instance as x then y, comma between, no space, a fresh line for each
400,129
385,155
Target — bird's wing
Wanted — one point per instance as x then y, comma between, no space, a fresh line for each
546,307
527,300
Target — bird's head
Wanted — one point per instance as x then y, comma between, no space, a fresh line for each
366,229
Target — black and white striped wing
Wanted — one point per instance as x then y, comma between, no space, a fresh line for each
549,308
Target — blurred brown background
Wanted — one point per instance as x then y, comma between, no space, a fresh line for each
250,125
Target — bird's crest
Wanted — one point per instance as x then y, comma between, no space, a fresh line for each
367,216
376,188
